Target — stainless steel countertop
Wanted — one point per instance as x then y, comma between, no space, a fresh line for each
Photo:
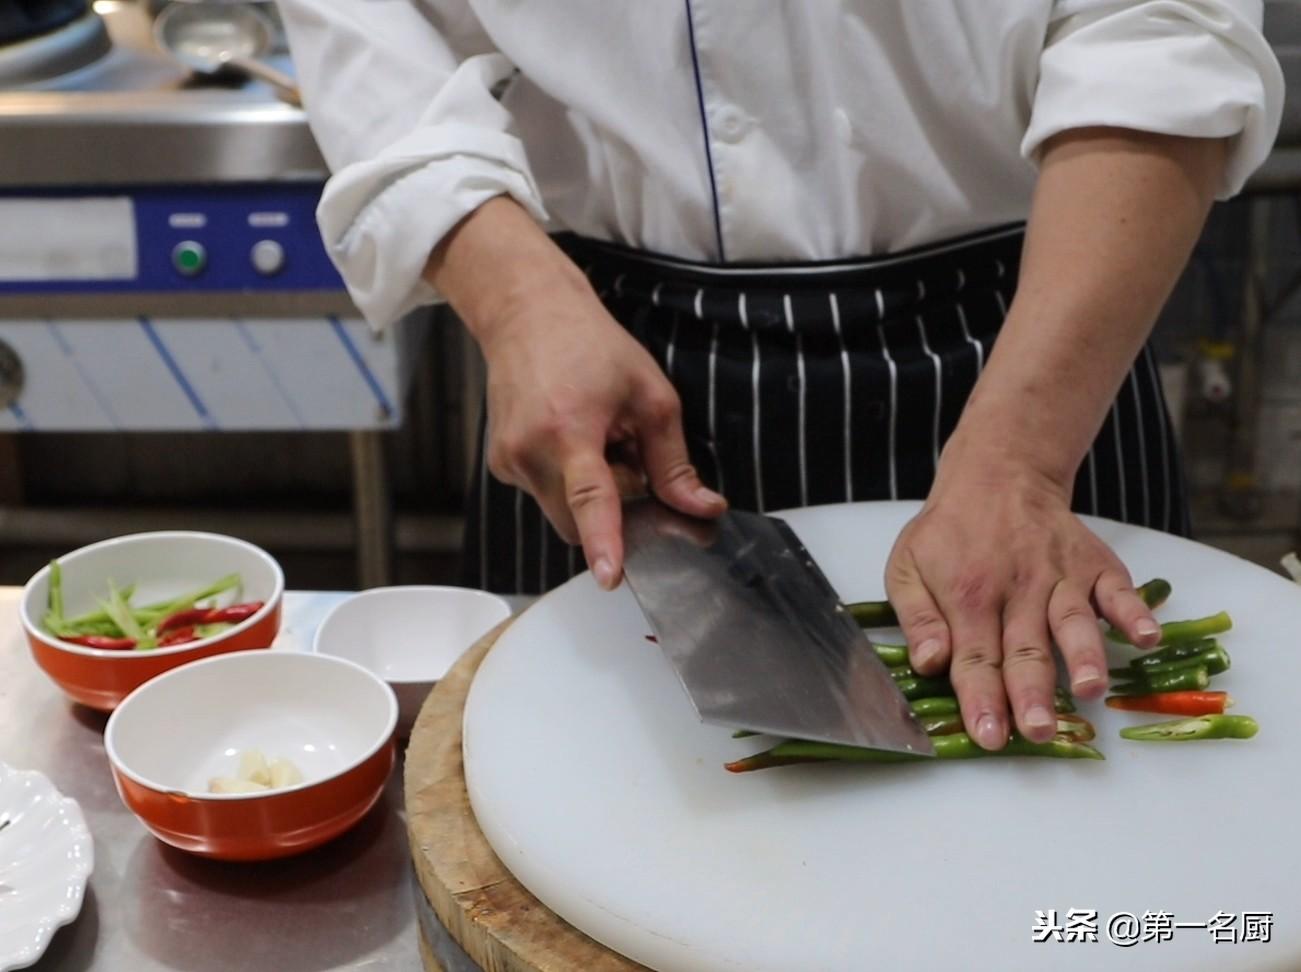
347,905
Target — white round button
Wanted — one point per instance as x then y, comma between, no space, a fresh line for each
733,123
268,257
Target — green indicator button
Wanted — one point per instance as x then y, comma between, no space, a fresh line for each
189,257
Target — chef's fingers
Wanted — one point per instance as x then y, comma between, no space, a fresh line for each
923,625
974,616
1119,603
1028,670
593,500
664,455
1075,629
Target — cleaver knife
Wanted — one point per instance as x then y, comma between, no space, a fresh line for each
756,633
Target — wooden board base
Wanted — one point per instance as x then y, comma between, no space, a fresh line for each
498,923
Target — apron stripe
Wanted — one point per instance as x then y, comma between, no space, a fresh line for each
893,408
975,345
1120,461
1154,377
814,384
849,424
1142,447
755,402
800,386
939,390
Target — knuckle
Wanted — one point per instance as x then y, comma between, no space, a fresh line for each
586,494
1023,653
924,619
661,406
977,658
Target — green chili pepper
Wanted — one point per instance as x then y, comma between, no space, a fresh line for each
1185,649
1173,632
1214,660
892,655
916,687
1155,592
934,705
874,614
1188,680
956,745
1201,727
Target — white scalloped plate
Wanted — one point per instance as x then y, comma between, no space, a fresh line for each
46,856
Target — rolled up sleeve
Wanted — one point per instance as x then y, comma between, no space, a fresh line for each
1196,68
402,106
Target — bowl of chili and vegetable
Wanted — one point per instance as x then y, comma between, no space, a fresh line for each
110,616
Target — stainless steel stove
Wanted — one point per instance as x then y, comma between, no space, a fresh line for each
160,264
130,115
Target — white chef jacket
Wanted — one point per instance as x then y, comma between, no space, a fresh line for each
742,130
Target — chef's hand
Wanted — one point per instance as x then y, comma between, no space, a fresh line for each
992,571
577,408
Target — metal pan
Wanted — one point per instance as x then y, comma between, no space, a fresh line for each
217,38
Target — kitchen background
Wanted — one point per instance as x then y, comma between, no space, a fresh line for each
206,370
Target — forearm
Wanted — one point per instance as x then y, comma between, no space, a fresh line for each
1114,218
494,262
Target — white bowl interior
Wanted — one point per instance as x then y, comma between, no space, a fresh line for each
409,634
161,566
188,725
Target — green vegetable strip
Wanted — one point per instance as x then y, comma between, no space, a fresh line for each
1173,632
1214,660
934,705
874,614
56,591
1189,680
116,607
956,745
1170,653
1201,727
164,608
1155,592
917,688
892,655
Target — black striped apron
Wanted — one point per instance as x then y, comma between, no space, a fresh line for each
824,383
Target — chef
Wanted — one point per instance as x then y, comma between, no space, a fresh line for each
784,253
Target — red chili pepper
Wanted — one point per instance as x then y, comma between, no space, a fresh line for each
233,614
178,636
182,619
1173,703
227,615
102,641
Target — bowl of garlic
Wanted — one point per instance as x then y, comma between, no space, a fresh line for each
254,755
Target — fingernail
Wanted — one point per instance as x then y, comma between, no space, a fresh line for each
706,495
603,570
1086,676
928,651
1038,717
1147,627
990,733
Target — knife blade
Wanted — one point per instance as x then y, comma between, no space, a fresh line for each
757,634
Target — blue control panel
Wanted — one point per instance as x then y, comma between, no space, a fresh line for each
245,238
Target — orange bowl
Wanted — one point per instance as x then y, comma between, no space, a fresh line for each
330,717
161,566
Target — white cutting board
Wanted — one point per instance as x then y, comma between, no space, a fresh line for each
598,787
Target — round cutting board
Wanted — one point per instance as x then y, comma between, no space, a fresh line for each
597,786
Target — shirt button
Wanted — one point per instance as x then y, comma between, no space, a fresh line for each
844,127
732,124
